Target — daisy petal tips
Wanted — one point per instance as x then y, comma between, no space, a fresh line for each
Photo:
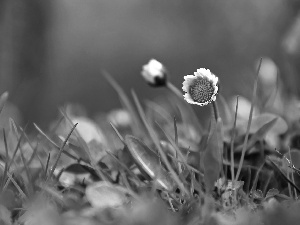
200,88
155,73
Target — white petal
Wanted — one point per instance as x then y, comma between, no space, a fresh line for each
147,76
188,80
209,75
189,77
153,63
188,98
214,79
216,90
203,72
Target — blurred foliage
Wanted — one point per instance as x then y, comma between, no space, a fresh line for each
53,52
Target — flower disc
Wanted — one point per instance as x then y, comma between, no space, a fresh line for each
201,90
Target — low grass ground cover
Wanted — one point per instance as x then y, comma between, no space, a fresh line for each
156,163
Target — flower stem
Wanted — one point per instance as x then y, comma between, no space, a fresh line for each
215,110
174,89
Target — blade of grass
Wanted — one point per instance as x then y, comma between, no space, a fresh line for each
85,147
247,183
215,110
233,139
57,147
137,127
10,178
6,160
118,133
60,152
254,185
249,122
15,151
295,169
292,174
157,145
290,163
175,132
3,99
176,142
289,187
60,173
267,183
282,174
85,154
47,165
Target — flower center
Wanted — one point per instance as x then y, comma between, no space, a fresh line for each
201,90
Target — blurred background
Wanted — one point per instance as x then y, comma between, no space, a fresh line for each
52,52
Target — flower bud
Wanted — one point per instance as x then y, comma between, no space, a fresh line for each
155,73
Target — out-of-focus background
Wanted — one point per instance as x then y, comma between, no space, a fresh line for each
52,52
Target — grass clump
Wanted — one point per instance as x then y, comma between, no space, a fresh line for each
156,164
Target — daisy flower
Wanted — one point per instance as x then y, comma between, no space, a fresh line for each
155,73
201,88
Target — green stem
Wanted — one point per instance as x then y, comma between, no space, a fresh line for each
174,89
215,109
249,122
233,139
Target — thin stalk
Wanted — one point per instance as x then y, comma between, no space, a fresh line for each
215,110
10,178
57,147
249,122
118,133
6,161
233,139
3,99
292,174
60,152
176,142
15,152
47,165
